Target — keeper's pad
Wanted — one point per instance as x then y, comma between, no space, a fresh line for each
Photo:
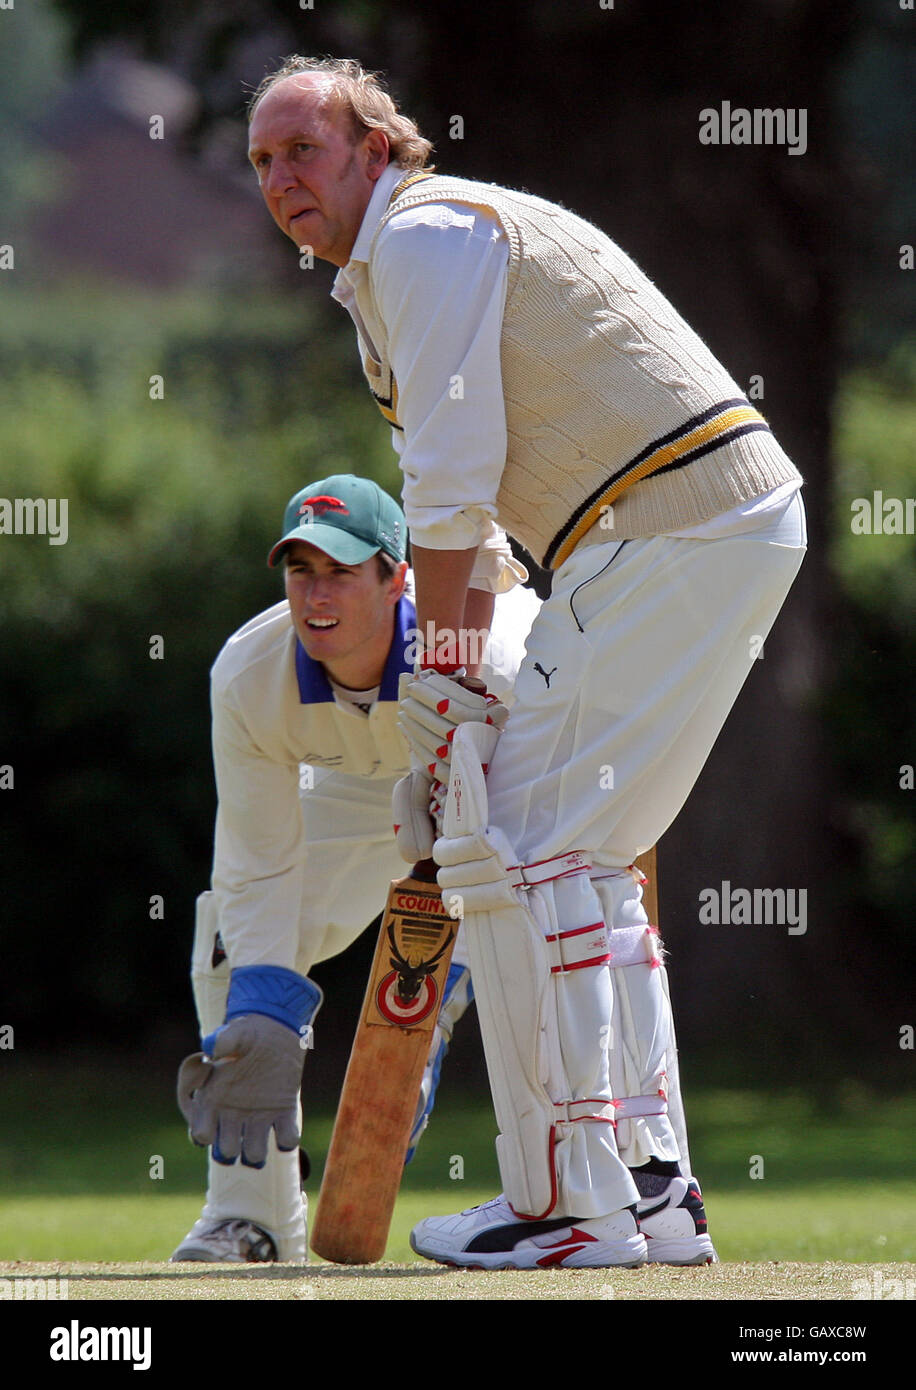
270,1196
539,961
456,997
643,1053
209,966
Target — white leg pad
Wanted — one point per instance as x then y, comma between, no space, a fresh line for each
542,984
209,981
643,1057
270,1196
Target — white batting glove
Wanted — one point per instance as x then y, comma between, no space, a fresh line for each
474,872
433,706
437,798
414,831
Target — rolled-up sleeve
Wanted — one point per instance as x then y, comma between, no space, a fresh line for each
439,281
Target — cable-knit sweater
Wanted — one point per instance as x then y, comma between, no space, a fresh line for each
621,422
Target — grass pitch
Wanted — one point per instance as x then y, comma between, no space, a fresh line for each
804,1200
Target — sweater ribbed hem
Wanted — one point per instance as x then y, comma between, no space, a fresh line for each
701,484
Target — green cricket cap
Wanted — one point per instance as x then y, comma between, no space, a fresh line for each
349,518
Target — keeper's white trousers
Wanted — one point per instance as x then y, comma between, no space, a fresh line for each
352,859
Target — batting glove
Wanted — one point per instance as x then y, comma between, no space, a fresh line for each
432,707
414,831
474,872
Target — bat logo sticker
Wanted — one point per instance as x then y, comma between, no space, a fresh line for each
409,993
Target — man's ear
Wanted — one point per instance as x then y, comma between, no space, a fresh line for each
398,581
378,152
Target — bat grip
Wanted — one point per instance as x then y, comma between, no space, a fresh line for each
425,870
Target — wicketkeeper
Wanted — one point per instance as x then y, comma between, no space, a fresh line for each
306,752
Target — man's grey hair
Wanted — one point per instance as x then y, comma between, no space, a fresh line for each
363,95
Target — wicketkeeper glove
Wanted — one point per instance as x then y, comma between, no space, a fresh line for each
246,1081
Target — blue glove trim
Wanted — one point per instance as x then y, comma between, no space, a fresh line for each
272,990
218,1157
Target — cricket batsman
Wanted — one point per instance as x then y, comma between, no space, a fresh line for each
307,752
534,377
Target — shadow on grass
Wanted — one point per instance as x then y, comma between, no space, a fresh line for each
204,1273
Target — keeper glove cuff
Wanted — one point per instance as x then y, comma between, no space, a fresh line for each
272,990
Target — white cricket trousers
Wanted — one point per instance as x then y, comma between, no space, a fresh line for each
632,666
631,669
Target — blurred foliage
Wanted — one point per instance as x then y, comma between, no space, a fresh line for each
434,50
877,106
871,706
173,505
174,502
34,42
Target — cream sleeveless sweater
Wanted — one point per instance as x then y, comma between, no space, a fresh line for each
621,423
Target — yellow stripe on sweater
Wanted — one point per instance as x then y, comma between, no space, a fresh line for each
668,453
389,409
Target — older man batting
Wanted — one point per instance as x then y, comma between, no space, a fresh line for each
535,377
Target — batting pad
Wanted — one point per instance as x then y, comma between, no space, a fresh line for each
643,1059
542,984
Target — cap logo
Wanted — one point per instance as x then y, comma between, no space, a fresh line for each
318,506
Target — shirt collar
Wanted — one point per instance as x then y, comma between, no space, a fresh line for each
314,686
375,211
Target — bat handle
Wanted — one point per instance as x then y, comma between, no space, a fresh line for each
425,870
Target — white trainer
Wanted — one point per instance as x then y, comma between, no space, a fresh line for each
233,1241
493,1237
674,1225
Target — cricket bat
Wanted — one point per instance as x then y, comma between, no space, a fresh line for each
646,863
381,1089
